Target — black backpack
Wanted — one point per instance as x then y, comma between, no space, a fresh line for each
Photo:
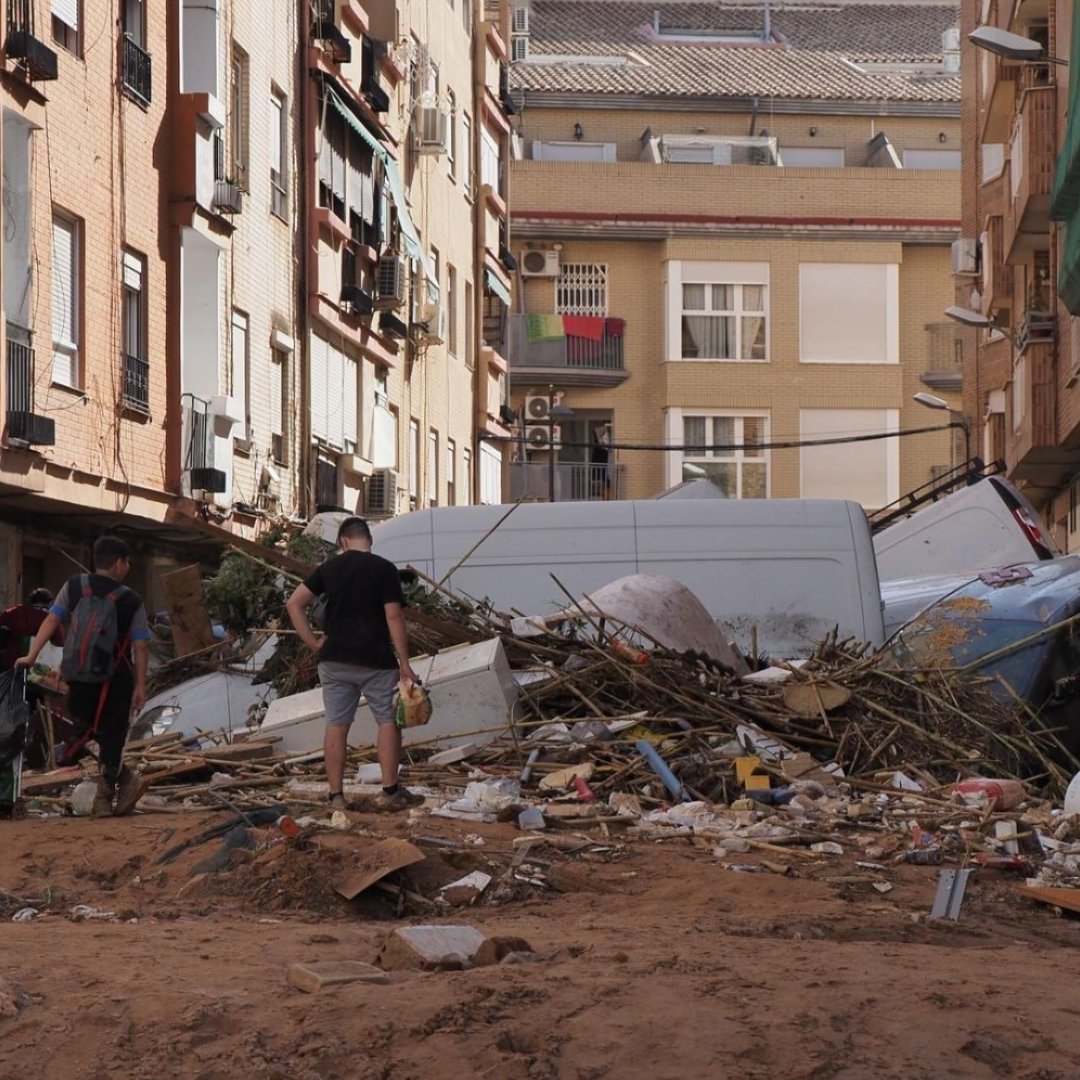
90,647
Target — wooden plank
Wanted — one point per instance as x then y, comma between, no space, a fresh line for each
1062,898
188,619
46,783
374,862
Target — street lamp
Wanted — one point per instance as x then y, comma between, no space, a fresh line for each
957,418
555,409
1010,46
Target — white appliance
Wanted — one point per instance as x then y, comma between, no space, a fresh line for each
473,694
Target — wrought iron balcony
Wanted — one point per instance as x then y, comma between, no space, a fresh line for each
136,70
21,44
23,424
583,351
569,481
136,383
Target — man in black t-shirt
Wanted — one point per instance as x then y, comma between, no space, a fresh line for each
102,710
365,651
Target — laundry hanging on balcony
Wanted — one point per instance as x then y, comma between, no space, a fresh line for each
590,327
544,328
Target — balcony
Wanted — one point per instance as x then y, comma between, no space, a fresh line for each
542,349
23,424
1032,153
1032,452
569,481
37,59
136,384
997,283
136,70
228,198
198,442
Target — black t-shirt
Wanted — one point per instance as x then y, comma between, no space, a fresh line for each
357,586
131,622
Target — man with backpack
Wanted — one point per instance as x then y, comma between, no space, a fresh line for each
104,665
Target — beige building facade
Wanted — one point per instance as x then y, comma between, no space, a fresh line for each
736,274
253,267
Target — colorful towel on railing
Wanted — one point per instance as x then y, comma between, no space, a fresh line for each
590,327
614,327
544,327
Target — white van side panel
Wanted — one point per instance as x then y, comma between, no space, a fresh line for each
583,544
790,568
783,572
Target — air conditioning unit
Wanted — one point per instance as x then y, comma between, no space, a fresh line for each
538,407
433,328
432,130
965,256
542,437
539,264
380,493
212,481
390,282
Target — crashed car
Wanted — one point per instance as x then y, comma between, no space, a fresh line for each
1012,627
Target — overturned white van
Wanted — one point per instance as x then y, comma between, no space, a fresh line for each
778,573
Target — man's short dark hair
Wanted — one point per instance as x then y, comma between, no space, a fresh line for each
41,596
354,528
108,551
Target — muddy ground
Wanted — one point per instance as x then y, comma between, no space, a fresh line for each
652,959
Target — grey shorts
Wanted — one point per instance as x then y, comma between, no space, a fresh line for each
342,685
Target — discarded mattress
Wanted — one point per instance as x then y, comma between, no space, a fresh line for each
472,690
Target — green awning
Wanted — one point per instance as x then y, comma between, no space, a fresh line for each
355,123
409,235
1065,194
495,285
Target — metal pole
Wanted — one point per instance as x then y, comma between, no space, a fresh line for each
551,443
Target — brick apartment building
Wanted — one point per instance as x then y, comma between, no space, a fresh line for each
252,266
1020,199
733,227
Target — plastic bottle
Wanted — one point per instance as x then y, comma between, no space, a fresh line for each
1000,794
82,798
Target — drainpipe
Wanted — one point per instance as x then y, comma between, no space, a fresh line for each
305,500
479,64
766,33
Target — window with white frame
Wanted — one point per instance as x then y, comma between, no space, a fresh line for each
723,321
335,384
240,382
849,313
451,472
66,300
279,168
133,325
466,474
67,25
728,449
490,475
414,462
238,117
280,399
867,472
466,149
490,160
582,289
451,149
452,310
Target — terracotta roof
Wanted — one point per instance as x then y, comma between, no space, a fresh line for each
815,54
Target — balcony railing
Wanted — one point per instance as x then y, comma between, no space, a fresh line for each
1032,154
1032,451
136,383
542,342
198,440
20,371
570,481
21,44
136,70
